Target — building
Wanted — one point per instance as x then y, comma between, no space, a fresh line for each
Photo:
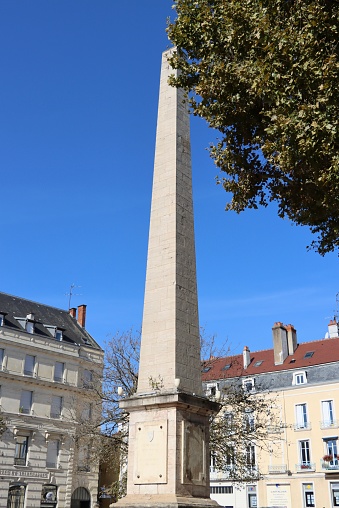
47,365
301,467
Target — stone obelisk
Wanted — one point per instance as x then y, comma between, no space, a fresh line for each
168,457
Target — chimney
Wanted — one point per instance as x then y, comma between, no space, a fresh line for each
280,345
246,357
333,328
73,312
82,315
291,339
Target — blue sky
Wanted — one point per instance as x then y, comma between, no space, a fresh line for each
78,103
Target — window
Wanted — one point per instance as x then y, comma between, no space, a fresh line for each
59,369
248,385
331,447
308,495
249,421
56,406
83,459
299,378
250,456
26,402
21,448
258,363
29,326
301,417
226,367
305,457
335,493
2,355
87,379
225,489
211,389
29,365
206,369
58,334
309,354
16,496
48,495
87,412
53,449
327,413
2,319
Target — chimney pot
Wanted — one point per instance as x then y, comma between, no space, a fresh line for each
280,343
333,328
246,357
82,315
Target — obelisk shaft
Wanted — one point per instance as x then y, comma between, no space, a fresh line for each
170,345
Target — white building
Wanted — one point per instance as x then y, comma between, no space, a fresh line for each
47,360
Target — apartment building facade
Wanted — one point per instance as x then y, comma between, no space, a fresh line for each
47,363
300,467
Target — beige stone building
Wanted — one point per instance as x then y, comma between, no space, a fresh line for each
47,363
301,467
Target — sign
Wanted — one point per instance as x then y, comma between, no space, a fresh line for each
279,496
24,474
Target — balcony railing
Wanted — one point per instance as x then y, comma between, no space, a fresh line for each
329,424
25,410
84,469
275,429
332,465
51,465
305,466
280,469
302,426
19,461
55,415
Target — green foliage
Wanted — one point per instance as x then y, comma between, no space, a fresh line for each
265,74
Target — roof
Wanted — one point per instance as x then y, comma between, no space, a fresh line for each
14,306
324,351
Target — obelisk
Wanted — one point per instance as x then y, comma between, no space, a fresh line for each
168,457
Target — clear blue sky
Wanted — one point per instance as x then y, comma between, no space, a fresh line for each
78,103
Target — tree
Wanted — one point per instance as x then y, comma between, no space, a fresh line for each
265,74
109,435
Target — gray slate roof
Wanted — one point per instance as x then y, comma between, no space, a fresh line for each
14,306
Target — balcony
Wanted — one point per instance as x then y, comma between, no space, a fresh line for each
84,469
304,467
275,429
330,465
52,465
19,461
329,424
55,415
25,410
302,426
280,469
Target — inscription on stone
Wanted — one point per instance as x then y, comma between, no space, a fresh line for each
193,453
150,464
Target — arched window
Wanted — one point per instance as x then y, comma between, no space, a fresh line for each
81,498
16,496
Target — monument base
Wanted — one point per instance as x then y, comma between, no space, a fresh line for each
164,501
168,457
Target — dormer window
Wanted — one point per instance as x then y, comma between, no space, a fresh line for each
2,319
29,326
299,378
58,334
248,385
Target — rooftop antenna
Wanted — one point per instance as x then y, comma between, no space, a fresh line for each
336,312
70,294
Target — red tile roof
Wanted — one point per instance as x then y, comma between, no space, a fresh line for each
324,351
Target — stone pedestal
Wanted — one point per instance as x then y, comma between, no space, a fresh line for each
168,459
